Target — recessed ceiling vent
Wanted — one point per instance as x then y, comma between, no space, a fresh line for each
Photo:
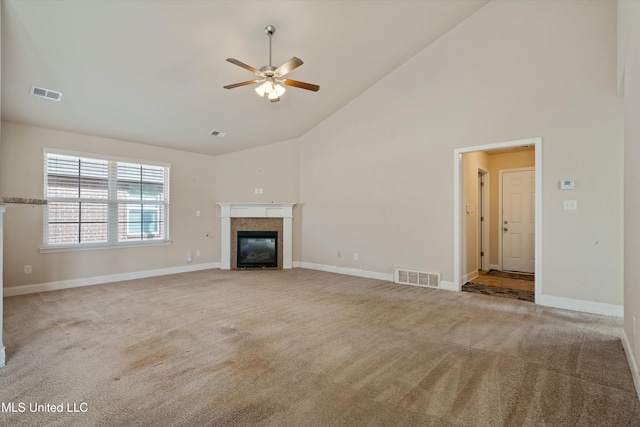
46,93
218,133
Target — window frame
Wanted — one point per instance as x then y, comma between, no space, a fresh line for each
113,204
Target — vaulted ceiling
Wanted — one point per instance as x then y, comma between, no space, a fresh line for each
152,71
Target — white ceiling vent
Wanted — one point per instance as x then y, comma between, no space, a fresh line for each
46,93
416,278
218,133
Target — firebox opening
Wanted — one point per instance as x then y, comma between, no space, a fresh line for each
257,249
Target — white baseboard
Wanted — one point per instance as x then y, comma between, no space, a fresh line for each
99,280
581,305
469,276
631,358
448,286
345,270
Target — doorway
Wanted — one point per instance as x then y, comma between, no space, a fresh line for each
492,250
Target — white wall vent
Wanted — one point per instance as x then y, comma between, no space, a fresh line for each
218,133
416,278
46,93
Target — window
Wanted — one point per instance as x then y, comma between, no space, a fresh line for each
96,201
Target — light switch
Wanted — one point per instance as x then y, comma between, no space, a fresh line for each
570,205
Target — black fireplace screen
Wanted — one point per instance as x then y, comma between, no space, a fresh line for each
257,249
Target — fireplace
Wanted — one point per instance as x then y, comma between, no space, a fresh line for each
257,249
261,217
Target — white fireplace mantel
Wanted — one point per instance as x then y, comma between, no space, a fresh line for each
230,210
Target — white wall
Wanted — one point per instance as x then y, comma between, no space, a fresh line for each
192,188
629,63
377,177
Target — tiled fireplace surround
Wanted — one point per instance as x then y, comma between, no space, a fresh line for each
236,217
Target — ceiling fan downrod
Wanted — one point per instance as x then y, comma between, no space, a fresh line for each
270,29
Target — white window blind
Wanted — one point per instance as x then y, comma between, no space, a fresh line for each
104,201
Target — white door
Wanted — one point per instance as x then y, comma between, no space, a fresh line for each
518,221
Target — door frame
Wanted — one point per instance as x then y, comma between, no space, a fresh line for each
500,209
482,234
457,206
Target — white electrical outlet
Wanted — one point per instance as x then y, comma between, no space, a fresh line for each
339,254
189,257
198,252
355,256
198,213
28,269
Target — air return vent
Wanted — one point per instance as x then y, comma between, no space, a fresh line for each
416,278
218,133
46,93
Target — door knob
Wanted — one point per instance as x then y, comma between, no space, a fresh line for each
505,229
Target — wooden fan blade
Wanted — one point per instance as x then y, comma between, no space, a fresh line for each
288,66
245,66
301,85
249,82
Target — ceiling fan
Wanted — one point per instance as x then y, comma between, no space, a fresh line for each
272,78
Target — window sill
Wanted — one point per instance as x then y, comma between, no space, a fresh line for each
49,249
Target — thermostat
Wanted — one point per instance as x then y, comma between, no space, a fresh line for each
567,184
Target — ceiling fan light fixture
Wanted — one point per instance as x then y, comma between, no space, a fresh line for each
260,90
271,89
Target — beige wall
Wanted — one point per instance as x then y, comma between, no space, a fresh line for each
21,174
377,177
629,18
274,168
471,163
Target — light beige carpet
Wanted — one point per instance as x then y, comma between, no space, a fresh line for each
307,348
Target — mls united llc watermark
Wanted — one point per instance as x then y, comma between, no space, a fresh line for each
22,407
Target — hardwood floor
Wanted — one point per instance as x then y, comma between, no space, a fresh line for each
502,282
